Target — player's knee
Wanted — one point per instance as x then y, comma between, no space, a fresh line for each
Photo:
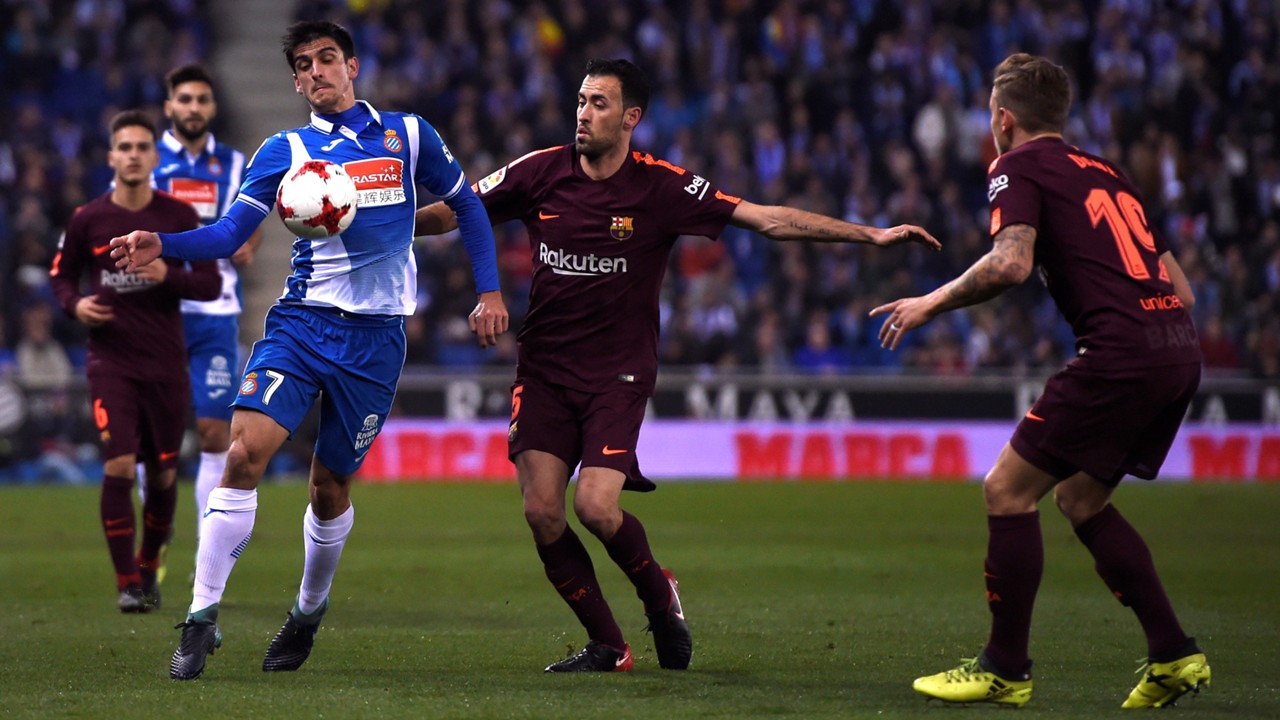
544,518
598,515
1001,497
1077,507
242,470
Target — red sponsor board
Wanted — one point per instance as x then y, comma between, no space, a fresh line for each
437,450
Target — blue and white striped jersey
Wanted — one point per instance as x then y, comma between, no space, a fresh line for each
208,182
370,267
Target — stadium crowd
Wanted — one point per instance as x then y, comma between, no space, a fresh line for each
875,111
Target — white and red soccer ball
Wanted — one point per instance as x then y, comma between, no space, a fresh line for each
316,199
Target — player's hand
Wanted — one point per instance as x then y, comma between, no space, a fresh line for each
489,319
134,250
93,313
884,237
155,272
904,315
244,256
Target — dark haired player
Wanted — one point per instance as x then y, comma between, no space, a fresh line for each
1114,410
336,334
602,221
196,168
137,366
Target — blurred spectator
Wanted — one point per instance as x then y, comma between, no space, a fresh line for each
42,362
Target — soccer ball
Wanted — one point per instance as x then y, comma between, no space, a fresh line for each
316,199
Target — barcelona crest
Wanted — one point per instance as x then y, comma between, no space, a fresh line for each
621,228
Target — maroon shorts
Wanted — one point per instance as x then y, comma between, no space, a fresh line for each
146,418
596,429
1107,425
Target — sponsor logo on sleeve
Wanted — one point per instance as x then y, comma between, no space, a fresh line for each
493,180
998,183
379,181
697,187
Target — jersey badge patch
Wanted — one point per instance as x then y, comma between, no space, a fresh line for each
621,227
391,141
215,167
492,181
995,221
250,384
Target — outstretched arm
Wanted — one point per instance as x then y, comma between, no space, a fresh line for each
1008,263
778,222
219,240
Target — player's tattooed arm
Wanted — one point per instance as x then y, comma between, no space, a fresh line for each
1008,263
778,222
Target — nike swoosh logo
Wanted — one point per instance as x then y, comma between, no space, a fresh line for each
332,145
609,451
620,661
545,216
1033,416
168,455
114,522
100,249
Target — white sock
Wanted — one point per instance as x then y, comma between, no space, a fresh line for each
323,541
208,477
224,533
141,485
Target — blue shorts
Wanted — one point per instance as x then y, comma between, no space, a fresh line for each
214,359
352,362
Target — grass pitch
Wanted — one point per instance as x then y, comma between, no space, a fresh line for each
806,601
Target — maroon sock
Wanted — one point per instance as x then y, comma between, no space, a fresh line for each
118,523
629,547
157,526
1123,560
1015,562
569,569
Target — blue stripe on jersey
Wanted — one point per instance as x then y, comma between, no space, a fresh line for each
303,265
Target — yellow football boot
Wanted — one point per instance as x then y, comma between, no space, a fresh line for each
1163,683
971,683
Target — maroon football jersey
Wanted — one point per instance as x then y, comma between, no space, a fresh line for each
1097,254
145,340
600,250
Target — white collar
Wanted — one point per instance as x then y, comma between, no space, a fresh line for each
172,143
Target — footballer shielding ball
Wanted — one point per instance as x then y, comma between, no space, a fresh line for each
316,199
